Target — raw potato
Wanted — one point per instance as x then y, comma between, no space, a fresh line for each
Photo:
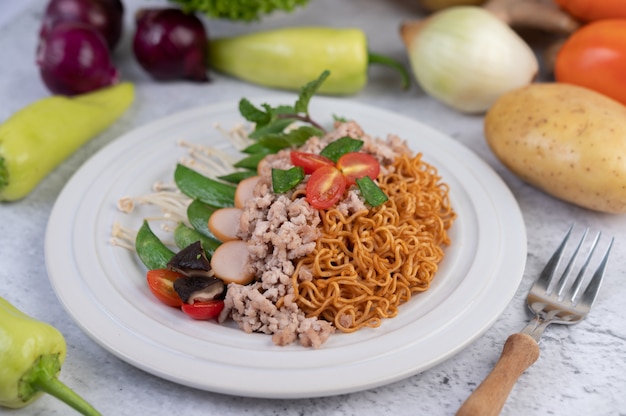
566,140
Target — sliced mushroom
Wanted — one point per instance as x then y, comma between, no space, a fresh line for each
191,261
224,223
230,262
198,288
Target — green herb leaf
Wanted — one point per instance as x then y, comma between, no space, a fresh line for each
300,135
273,127
334,150
307,92
371,192
285,180
271,124
253,114
270,143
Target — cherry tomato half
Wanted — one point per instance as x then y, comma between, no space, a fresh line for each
355,165
310,162
203,310
161,284
325,187
594,57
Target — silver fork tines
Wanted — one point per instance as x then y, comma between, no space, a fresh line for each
558,300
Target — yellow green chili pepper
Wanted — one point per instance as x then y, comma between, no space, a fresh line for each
37,138
31,355
290,57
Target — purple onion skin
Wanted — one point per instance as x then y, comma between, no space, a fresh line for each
74,59
106,16
170,44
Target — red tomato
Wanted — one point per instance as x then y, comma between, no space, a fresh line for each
588,10
310,162
203,310
161,284
325,187
594,57
355,165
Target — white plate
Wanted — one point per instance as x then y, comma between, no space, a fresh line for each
103,287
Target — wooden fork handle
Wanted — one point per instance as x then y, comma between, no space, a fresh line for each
520,352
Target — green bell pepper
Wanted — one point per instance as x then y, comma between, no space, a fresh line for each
40,136
31,355
288,58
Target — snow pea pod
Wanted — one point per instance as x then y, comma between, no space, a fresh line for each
152,252
288,58
207,190
238,176
185,236
198,214
31,355
251,162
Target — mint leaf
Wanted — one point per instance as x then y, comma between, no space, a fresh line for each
276,126
334,150
252,113
300,135
271,124
272,143
371,192
285,180
308,91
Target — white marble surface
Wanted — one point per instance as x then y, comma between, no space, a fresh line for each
581,370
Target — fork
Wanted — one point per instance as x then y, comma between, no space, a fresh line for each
551,300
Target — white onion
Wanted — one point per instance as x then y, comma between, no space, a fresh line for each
466,57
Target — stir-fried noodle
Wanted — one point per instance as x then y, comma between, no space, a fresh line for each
366,265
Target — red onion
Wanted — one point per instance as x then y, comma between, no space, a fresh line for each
106,16
170,44
74,59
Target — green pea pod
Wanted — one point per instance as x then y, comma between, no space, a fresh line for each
152,252
31,356
207,190
198,214
238,176
288,58
37,138
185,236
252,161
